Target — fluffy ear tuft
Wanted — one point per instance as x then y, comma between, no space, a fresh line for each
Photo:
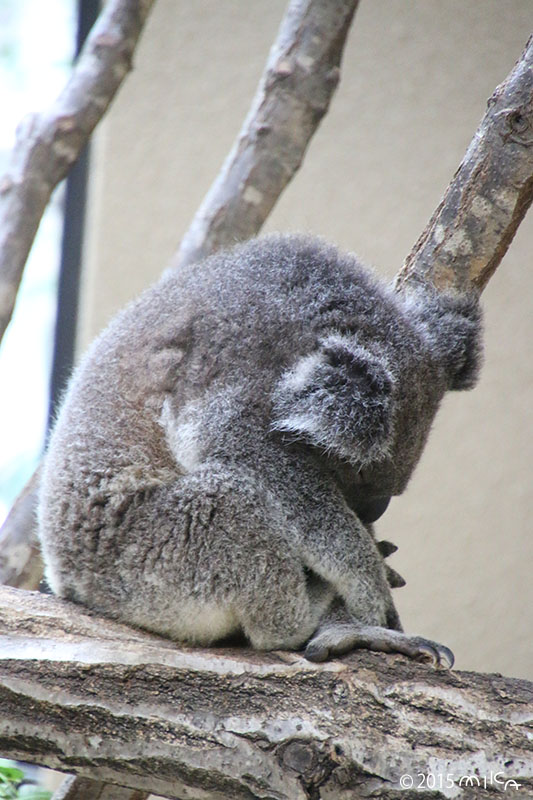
338,398
453,326
460,334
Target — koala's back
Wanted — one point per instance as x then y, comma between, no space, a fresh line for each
239,319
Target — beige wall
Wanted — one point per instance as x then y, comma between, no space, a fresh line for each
416,76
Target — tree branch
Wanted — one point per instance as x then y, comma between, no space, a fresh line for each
49,143
90,696
300,77
469,233
20,552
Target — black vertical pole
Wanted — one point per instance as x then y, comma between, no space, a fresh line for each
71,247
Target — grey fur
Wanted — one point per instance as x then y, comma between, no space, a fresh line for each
217,440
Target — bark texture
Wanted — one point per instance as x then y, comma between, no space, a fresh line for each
90,696
77,788
20,552
300,77
48,143
470,231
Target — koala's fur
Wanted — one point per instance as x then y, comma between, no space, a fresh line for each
225,443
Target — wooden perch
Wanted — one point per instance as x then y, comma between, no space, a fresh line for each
469,233
50,142
90,696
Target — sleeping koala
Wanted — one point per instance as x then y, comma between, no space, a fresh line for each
228,440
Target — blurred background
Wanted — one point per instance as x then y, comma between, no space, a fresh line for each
33,70
414,84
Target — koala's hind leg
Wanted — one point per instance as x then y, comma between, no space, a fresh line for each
338,634
198,559
286,604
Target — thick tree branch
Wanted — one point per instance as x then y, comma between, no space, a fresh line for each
49,143
294,93
86,695
470,231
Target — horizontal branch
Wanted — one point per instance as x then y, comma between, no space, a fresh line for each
300,77
472,228
90,696
48,143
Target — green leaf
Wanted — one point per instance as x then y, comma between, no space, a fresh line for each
11,774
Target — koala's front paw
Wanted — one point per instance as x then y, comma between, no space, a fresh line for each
336,639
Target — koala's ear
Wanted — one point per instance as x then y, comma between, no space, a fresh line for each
454,324
465,342
339,398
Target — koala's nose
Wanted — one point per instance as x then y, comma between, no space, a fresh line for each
372,510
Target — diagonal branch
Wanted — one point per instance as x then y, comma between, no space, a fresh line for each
48,143
294,93
470,231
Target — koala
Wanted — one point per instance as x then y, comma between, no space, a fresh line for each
227,443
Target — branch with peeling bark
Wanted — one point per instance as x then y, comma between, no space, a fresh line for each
90,696
300,77
50,142
470,231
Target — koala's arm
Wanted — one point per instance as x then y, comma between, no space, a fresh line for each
341,554
372,404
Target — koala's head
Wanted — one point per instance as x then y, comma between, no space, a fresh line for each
366,398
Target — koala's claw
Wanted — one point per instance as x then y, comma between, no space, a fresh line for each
317,652
386,548
336,639
438,655
394,579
